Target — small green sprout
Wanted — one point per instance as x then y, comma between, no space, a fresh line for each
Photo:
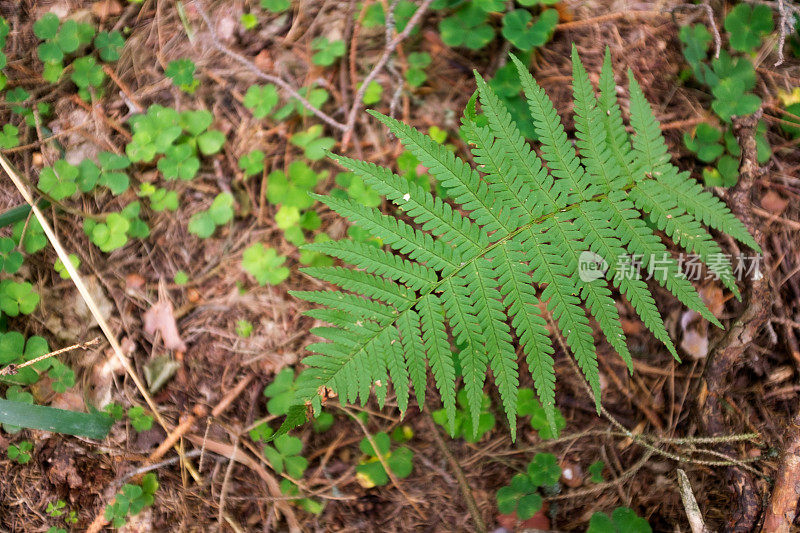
276,6
87,74
17,298
55,510
373,93
462,425
261,99
467,27
264,264
10,258
20,452
30,234
371,473
747,25
249,21
109,235
140,420
596,471
131,500
59,181
62,270
9,136
109,45
204,223
285,456
523,34
252,163
181,72
326,51
244,328
180,278
313,143
417,62
621,519
281,392
315,96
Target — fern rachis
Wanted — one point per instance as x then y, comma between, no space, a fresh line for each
480,272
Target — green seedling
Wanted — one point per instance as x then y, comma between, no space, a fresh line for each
261,99
527,35
467,27
314,95
249,21
522,494
87,75
160,199
264,264
59,181
115,411
30,235
204,223
55,510
109,45
181,72
528,404
747,26
9,136
140,420
705,142
59,267
180,278
460,422
596,471
110,175
323,422
417,63
285,456
20,453
373,93
276,6
244,329
10,258
375,16
622,520
179,162
314,145
252,163
326,51
370,471
131,500
281,392
307,504
292,187
110,234
17,298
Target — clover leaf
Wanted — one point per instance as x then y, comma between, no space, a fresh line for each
10,259
252,163
19,452
373,93
544,470
160,199
30,234
204,223
181,72
417,62
293,189
527,404
87,73
46,27
357,190
463,425
9,137
520,496
285,456
59,267
730,99
281,392
704,141
371,473
59,180
17,298
596,471
622,520
108,235
526,35
467,27
110,165
326,51
261,99
140,420
315,96
313,143
179,161
308,504
275,6
248,20
747,25
264,264
109,45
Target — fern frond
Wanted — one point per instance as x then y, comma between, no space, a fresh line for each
461,180
415,275
524,227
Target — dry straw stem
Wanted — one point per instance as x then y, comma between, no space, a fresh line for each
13,369
690,504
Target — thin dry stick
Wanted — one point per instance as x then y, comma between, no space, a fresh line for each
87,298
391,46
690,504
215,42
382,460
13,369
463,484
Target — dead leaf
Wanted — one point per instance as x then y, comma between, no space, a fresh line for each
160,319
774,202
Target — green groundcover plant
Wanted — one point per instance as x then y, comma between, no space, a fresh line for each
529,223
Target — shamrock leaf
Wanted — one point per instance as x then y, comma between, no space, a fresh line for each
30,234
109,235
110,165
285,456
140,420
204,223
46,27
9,137
373,93
730,99
264,264
520,496
313,144
210,142
747,25
281,392
293,189
179,162
17,298
10,259
181,72
275,6
544,470
109,45
19,452
315,96
596,471
87,73
622,520
417,62
704,141
370,472
59,180
62,270
326,51
252,163
526,35
696,39
527,404
261,99
467,27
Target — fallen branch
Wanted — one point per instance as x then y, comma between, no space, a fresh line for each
779,515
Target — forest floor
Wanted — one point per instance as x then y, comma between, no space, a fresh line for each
217,388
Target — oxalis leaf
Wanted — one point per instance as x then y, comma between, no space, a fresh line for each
91,425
